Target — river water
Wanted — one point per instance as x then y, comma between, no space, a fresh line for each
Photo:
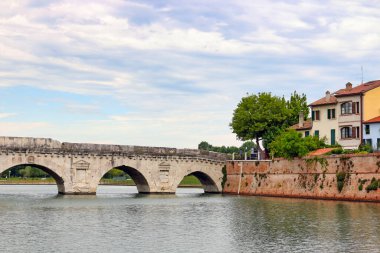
36,219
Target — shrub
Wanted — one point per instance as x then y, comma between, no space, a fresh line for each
373,185
340,179
290,144
366,148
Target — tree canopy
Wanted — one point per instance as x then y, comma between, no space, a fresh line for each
245,147
290,144
297,104
264,116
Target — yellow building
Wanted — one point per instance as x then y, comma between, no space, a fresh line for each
371,101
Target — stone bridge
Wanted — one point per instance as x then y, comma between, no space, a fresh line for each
78,167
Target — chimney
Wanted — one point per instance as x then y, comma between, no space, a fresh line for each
348,86
300,119
328,96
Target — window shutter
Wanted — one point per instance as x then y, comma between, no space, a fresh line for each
333,113
312,115
354,108
353,132
329,113
357,107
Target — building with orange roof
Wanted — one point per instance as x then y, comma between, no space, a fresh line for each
339,116
324,118
371,132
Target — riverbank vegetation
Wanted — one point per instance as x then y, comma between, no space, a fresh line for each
290,144
246,147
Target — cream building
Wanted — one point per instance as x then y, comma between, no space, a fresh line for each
338,117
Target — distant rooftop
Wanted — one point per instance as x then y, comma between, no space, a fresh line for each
348,91
362,88
307,125
374,120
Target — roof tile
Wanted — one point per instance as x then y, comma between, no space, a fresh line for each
362,88
374,120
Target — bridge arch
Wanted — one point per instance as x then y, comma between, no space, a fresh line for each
58,179
208,183
139,179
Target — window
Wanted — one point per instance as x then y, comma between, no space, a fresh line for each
307,133
367,129
357,132
345,132
367,142
316,133
346,108
315,115
350,132
378,143
356,107
331,113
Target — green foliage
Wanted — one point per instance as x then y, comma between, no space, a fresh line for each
25,171
264,116
340,179
365,148
362,150
204,145
271,134
361,183
316,176
224,179
29,171
256,113
373,185
337,151
290,144
114,173
297,104
245,147
190,180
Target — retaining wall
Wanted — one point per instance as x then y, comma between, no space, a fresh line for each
312,177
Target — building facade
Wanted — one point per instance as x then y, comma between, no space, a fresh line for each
325,118
339,117
371,133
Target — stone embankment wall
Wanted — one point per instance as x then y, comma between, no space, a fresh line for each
341,177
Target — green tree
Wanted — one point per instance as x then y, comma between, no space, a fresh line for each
29,171
114,173
255,116
247,146
297,104
204,145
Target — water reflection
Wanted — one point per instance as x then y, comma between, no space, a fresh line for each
118,219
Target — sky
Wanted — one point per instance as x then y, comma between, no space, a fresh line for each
170,73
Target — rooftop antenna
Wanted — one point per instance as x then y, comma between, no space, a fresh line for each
362,73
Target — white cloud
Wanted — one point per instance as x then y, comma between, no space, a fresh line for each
6,115
174,73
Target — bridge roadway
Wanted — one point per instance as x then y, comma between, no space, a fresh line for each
78,167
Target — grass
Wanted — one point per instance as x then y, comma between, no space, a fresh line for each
18,180
190,181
